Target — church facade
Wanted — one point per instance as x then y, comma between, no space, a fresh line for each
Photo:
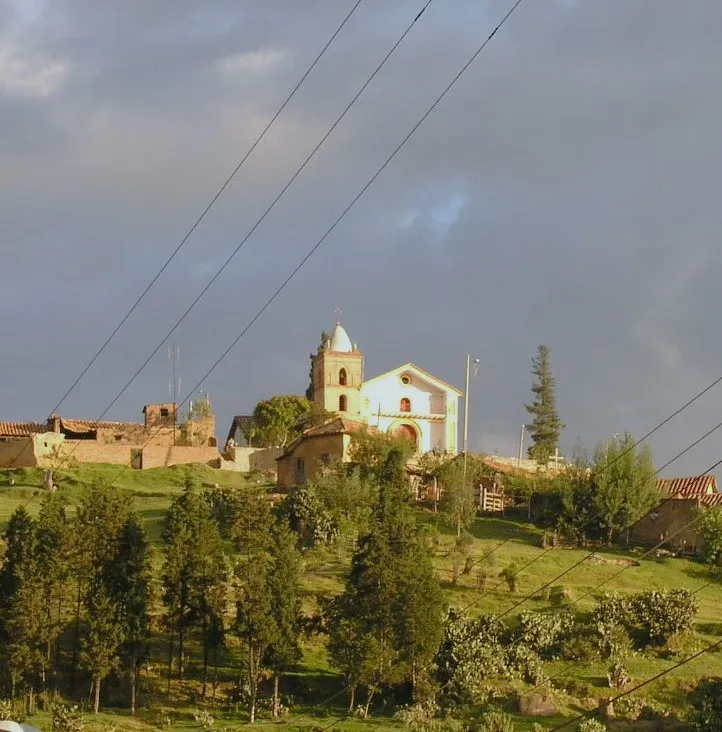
407,400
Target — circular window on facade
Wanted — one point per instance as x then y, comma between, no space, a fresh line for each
405,379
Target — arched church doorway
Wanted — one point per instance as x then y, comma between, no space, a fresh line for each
407,432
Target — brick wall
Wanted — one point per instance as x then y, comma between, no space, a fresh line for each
90,451
159,456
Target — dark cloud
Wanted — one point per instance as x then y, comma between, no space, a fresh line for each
566,192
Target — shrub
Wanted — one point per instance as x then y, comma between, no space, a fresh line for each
308,517
543,633
510,575
560,595
203,718
583,645
706,702
663,614
618,676
591,725
67,719
495,722
420,717
522,661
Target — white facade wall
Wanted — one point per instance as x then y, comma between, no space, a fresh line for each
381,407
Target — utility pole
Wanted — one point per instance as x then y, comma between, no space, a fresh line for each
174,357
466,408
521,445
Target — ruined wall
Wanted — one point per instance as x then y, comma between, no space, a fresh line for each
199,431
137,435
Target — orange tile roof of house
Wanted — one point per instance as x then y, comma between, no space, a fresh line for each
21,429
711,500
690,487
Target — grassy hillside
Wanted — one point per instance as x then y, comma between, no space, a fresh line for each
508,542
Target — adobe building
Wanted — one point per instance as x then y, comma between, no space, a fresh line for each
672,523
157,441
406,401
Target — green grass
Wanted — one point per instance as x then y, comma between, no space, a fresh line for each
324,571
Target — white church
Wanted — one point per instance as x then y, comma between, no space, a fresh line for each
407,400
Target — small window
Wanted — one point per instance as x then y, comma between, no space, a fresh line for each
164,412
118,438
405,379
342,403
300,470
405,405
326,458
342,377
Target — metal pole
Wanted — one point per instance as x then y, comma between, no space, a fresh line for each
466,414
521,444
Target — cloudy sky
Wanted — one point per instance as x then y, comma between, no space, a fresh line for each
567,192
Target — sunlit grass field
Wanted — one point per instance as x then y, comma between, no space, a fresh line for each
496,544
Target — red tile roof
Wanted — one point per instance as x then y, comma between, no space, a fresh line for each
21,429
691,487
713,500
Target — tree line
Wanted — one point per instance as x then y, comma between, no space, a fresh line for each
87,603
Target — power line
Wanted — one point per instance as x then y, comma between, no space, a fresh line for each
270,207
578,664
586,557
654,678
193,227
331,228
208,207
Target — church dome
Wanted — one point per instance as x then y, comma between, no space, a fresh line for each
340,342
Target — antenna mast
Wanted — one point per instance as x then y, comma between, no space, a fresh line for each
174,358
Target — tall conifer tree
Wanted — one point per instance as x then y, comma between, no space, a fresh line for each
546,426
389,619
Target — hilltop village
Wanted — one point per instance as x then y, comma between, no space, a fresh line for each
344,539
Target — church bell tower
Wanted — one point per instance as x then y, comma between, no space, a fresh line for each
338,374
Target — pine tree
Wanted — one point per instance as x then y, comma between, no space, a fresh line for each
388,620
131,579
102,515
546,426
255,623
623,484
19,607
285,587
458,500
194,564
53,540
